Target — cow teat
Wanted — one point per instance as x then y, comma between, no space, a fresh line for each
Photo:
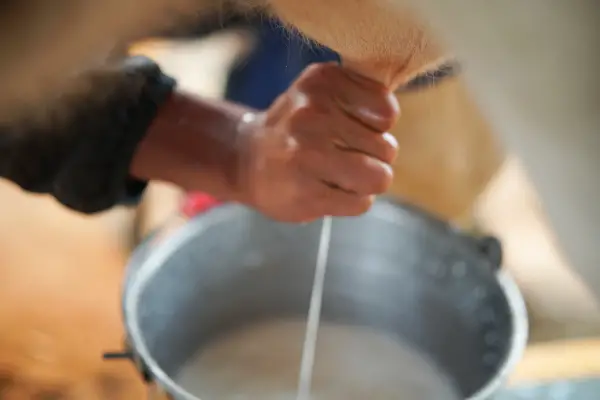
376,38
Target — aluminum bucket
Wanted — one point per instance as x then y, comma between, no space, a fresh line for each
394,268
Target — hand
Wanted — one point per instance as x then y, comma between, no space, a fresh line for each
321,149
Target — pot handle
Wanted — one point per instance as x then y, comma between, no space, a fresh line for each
128,355
154,391
491,248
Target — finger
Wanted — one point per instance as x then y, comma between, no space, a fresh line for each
351,171
367,101
322,200
383,148
353,207
349,136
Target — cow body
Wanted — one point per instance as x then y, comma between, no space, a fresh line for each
533,66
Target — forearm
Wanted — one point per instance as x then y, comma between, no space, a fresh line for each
196,144
110,145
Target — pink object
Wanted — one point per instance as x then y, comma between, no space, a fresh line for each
197,203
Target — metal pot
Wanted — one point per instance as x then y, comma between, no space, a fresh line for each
394,268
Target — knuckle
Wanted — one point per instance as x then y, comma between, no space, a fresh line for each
388,110
301,114
312,71
317,76
320,70
308,112
300,120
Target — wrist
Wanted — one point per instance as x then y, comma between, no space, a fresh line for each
199,145
248,133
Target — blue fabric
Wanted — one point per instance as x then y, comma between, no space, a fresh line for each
272,67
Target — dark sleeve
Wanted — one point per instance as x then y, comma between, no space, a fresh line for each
83,160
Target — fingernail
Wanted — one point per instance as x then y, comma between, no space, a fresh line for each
370,115
394,103
391,139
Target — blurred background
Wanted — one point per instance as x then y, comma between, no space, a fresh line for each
61,272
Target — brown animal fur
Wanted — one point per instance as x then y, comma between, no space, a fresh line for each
448,152
51,51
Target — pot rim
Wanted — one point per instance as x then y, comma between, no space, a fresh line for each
518,340
164,250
